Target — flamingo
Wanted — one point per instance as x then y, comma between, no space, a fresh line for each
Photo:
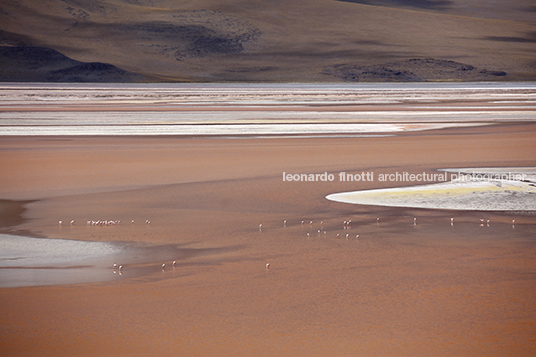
338,235
414,221
357,236
267,266
72,222
164,267
284,223
378,220
174,263
60,223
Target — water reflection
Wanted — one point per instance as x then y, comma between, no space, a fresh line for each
26,261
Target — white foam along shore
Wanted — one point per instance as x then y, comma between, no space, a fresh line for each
480,189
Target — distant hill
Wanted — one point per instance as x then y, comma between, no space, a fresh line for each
257,40
413,70
41,64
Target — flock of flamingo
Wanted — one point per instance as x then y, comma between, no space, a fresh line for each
118,269
348,225
102,223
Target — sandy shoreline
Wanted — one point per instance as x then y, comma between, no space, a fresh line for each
400,289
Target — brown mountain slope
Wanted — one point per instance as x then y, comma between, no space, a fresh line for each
30,63
291,40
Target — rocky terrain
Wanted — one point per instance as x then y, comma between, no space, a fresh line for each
412,70
276,41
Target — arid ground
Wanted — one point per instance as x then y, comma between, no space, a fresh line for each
268,41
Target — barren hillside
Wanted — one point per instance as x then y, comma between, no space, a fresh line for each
253,40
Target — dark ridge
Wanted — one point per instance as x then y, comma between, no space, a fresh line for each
32,57
412,70
42,64
88,72
530,38
419,4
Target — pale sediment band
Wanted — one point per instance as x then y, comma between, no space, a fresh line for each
487,192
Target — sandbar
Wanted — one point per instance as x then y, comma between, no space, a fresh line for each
480,189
